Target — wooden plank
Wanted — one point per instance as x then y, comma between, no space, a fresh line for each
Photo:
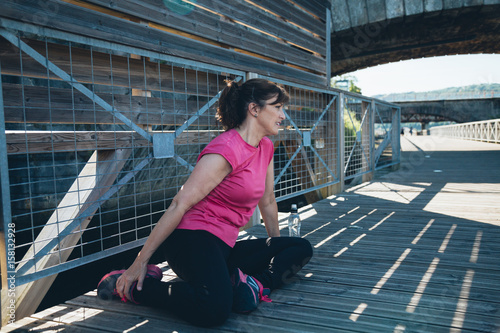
254,322
38,104
289,305
22,103
93,181
89,318
253,17
216,29
407,275
279,312
316,7
35,142
125,309
29,324
352,270
399,295
76,19
377,313
295,15
108,70
34,104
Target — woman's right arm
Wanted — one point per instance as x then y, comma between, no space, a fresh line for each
207,174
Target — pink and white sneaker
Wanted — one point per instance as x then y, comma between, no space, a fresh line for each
248,292
106,289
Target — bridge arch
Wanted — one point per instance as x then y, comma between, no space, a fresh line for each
459,111
366,33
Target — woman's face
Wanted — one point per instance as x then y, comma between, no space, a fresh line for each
270,116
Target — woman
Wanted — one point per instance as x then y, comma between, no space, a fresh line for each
197,233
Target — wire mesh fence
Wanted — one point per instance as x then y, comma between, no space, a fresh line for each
357,126
386,135
98,140
306,149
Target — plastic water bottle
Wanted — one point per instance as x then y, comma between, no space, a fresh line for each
294,222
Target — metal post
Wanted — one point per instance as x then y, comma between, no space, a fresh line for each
341,142
367,128
7,236
328,47
372,136
395,139
251,75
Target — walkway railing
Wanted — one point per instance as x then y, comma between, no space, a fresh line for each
485,131
96,139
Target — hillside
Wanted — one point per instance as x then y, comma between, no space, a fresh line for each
466,92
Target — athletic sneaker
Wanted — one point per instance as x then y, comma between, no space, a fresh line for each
106,288
248,292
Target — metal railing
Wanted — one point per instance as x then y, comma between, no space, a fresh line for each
97,138
485,131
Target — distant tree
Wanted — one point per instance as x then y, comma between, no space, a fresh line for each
346,82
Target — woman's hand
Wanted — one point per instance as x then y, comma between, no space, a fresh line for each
136,272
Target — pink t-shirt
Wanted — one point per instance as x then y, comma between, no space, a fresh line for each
230,205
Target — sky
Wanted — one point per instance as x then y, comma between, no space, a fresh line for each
429,74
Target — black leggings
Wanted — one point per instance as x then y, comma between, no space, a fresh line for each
204,263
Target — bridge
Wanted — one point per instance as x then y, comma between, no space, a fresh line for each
459,111
415,250
463,107
366,33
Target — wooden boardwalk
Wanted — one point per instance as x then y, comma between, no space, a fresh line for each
415,250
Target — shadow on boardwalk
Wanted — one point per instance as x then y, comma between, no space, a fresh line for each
415,250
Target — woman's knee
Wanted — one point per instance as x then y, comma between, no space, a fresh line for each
303,249
211,317
213,308
307,248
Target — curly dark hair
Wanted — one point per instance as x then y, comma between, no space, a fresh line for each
235,98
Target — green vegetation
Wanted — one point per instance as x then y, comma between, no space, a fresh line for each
346,82
477,88
351,126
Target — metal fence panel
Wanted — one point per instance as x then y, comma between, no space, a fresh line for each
485,131
386,122
306,150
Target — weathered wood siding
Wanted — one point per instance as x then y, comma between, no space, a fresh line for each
282,38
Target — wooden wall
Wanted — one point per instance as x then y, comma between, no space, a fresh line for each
280,38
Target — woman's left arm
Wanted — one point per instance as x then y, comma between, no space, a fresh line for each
268,206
